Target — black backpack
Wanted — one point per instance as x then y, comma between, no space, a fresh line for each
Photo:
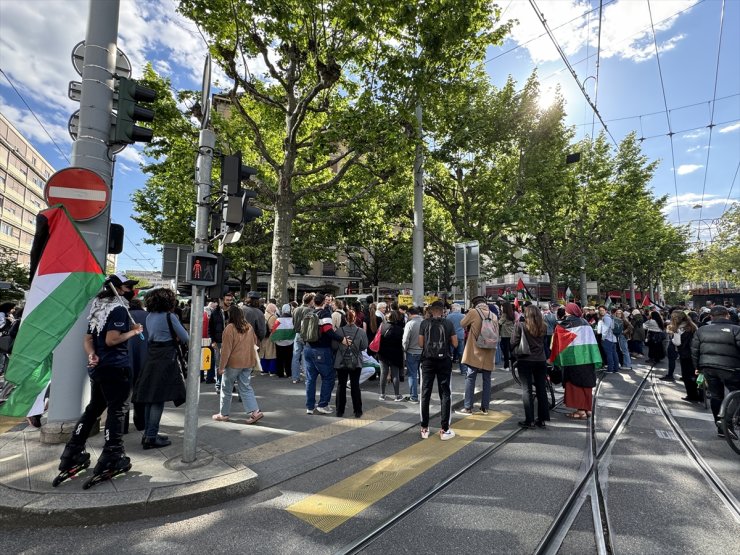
436,346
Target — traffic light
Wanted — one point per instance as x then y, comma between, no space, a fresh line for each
115,239
237,210
223,271
125,130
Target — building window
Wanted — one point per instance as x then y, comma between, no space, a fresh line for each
329,269
300,269
353,268
7,229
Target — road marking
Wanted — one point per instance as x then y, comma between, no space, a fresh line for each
8,423
666,434
336,504
271,449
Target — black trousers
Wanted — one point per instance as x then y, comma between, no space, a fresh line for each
110,388
689,378
284,360
441,370
717,380
354,385
534,373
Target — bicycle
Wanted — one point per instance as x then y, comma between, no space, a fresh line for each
548,383
729,415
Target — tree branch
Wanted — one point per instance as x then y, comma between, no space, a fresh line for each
331,162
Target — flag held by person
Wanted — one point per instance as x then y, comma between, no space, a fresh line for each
523,291
574,346
65,276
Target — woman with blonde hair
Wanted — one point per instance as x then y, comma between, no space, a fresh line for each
238,359
532,366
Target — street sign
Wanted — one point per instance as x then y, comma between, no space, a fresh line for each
467,260
123,65
81,191
174,261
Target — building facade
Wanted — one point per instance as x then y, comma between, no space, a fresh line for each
23,174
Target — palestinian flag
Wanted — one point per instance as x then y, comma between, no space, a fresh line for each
282,330
523,291
65,276
646,301
574,346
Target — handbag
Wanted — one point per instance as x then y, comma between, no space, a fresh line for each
178,349
375,343
523,347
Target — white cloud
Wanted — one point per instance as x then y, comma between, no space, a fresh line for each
730,128
692,199
625,33
685,169
694,134
696,148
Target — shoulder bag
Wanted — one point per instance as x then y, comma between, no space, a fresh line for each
523,347
178,349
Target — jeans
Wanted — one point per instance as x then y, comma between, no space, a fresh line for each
319,362
470,387
625,351
109,388
457,352
243,379
216,361
152,416
412,372
354,383
610,349
395,372
534,373
298,358
442,370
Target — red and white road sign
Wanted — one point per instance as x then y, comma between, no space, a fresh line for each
81,191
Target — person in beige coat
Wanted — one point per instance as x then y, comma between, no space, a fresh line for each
478,360
268,353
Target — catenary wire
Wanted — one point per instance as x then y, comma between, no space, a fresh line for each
34,115
667,112
143,256
711,118
732,185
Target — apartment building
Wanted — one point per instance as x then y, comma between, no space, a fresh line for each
23,174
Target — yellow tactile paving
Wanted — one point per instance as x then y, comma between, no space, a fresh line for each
283,445
8,423
336,504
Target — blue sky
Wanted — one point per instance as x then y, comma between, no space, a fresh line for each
35,55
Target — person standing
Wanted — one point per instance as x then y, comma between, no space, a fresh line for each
411,347
239,357
655,329
532,367
715,351
255,315
551,319
506,327
622,330
161,379
456,316
299,361
604,328
283,335
348,364
436,337
216,323
268,354
319,358
683,335
109,367
390,354
477,359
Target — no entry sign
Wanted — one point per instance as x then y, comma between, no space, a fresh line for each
82,192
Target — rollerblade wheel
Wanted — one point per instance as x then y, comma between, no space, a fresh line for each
58,480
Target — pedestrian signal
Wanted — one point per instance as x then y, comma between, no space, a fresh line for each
202,269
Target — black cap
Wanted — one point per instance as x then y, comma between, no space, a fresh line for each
119,280
438,304
253,295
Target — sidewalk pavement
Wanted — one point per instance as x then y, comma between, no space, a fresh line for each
233,458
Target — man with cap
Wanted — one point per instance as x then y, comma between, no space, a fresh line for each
109,368
254,316
436,338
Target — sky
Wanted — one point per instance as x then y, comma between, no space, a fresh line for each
692,83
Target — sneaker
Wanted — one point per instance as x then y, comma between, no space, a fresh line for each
464,412
482,411
720,432
325,410
413,399
309,411
540,423
526,425
34,421
667,378
220,418
254,416
381,398
445,435
399,398
424,433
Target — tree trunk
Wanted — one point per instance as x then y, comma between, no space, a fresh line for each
554,288
253,283
243,285
281,248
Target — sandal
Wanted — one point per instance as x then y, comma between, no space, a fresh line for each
220,418
577,415
254,416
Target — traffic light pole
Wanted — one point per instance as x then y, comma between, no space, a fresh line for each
203,169
69,384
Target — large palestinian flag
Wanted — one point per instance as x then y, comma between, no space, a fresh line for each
65,276
574,346
282,329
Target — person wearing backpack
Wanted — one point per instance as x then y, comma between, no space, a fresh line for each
318,333
299,361
480,352
436,337
348,364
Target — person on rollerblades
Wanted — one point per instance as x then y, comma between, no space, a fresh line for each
109,368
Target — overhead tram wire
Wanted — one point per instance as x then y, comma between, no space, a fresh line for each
667,113
732,185
714,96
143,256
35,116
541,17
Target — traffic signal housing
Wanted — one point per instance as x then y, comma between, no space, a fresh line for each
115,239
237,209
129,112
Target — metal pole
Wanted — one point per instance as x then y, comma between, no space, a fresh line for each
465,275
584,295
418,232
70,384
203,168
633,302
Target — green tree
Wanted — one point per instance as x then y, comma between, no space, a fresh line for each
14,274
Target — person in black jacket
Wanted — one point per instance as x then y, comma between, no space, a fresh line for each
715,351
216,325
532,367
390,354
683,333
